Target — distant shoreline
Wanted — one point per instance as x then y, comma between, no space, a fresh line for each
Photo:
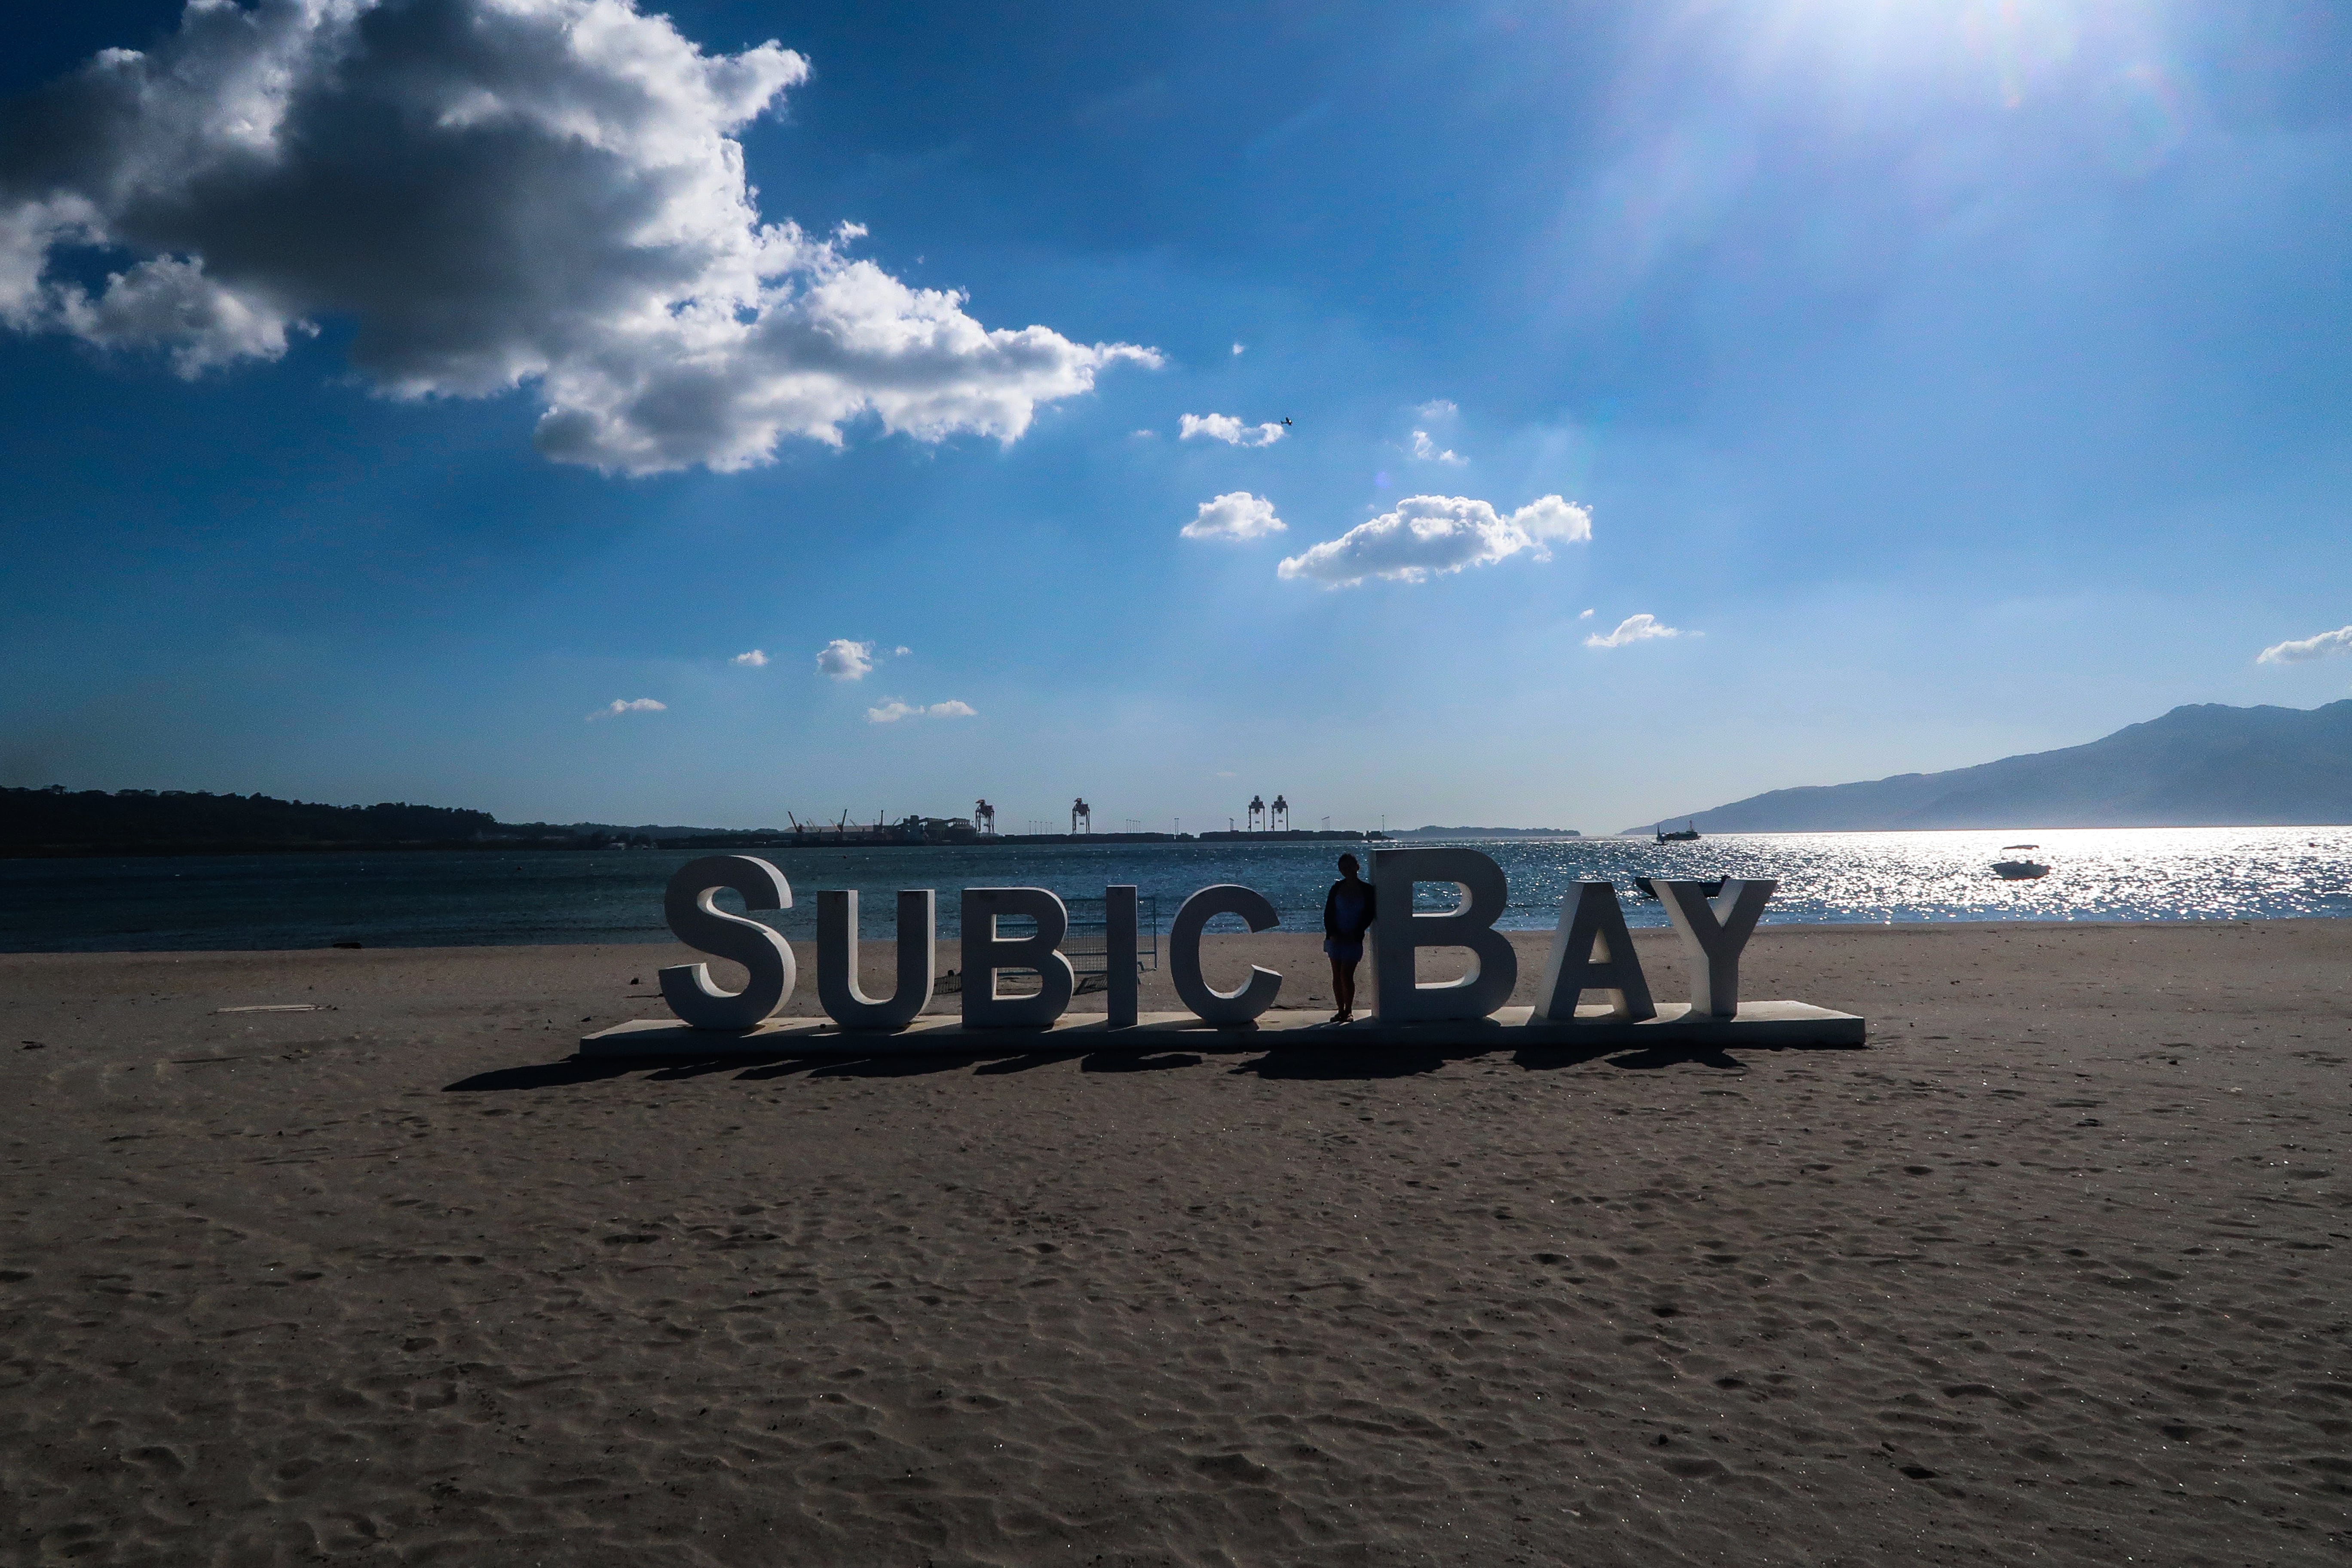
714,842
1432,831
877,953
750,839
162,851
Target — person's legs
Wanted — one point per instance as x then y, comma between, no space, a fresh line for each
1343,985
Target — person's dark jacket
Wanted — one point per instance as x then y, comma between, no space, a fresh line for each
1364,917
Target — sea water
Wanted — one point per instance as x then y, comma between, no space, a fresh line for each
428,899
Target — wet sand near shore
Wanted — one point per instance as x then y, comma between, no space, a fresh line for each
2054,1271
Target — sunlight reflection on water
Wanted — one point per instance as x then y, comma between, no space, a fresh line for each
2096,874
430,899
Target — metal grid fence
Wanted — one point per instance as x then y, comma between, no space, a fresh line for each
1088,945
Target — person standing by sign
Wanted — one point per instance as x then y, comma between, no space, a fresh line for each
1347,913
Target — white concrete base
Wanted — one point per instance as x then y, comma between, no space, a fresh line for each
1757,1024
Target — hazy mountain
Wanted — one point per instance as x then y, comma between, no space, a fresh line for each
2203,765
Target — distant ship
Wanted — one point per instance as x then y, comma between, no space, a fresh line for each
1682,835
2021,869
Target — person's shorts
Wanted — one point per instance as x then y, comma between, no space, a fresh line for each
1345,951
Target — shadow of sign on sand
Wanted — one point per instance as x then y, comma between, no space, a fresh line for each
1285,1062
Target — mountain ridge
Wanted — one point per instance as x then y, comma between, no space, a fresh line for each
2203,764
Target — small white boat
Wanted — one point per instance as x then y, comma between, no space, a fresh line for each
2023,868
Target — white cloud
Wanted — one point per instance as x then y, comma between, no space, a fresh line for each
1226,428
755,658
901,651
1427,450
1235,515
1237,348
1427,535
619,706
166,302
1437,408
493,195
2308,649
1584,616
1631,629
846,660
892,709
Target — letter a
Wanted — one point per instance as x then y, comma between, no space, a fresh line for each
1592,951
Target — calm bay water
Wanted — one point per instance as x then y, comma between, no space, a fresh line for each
426,899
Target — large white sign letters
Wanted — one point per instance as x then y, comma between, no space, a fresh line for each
1594,986
836,959
695,921
988,953
1255,994
1494,963
1592,951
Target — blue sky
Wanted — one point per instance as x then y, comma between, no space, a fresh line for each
1954,380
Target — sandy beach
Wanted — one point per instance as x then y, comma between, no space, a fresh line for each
2054,1271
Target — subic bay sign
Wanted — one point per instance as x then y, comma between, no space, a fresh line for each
1593,989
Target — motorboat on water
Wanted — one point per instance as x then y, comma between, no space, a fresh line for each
1682,835
2018,865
